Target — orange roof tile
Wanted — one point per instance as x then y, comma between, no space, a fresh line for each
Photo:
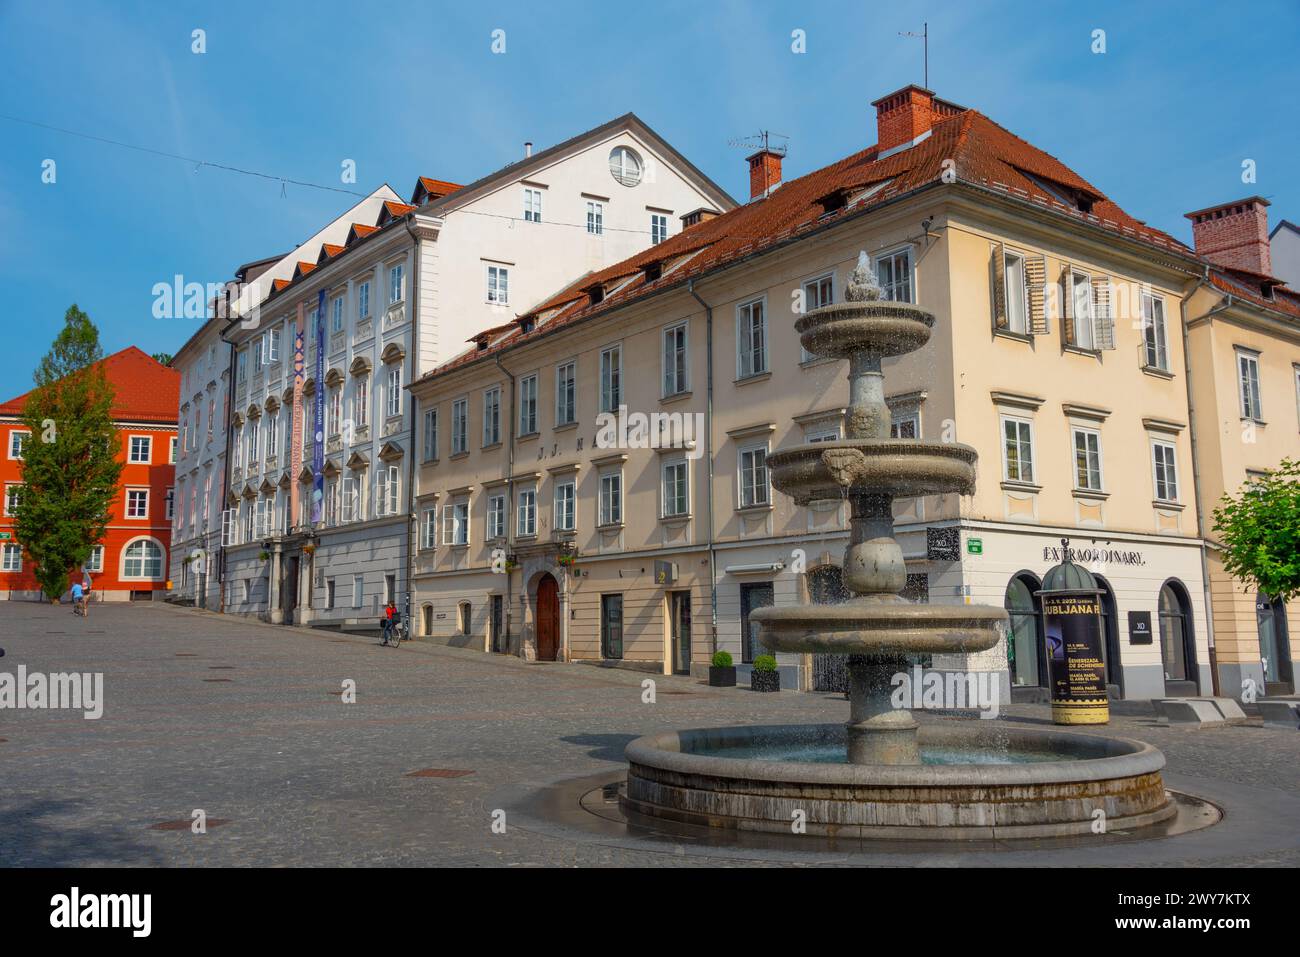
145,389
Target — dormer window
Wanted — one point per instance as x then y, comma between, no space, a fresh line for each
527,325
653,272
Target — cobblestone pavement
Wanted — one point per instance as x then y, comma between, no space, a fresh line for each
246,721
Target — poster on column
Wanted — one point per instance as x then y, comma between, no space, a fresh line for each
1075,661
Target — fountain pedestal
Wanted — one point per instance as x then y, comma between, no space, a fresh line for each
877,732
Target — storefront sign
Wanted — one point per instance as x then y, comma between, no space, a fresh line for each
1074,658
4,536
942,544
1094,556
1139,628
975,546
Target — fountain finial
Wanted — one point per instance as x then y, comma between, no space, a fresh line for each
863,286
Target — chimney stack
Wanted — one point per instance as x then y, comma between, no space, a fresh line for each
764,173
906,116
1234,235
528,150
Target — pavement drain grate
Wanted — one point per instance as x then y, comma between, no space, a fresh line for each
219,680
186,825
437,773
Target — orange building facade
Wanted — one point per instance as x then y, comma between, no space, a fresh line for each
130,563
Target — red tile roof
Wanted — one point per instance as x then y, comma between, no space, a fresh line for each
984,155
327,250
1251,287
433,188
146,390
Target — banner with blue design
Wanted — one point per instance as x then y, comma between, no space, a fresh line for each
318,423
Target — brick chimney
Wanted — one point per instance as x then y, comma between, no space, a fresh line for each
764,173
902,116
1234,235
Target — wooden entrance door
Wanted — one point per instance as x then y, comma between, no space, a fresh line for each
548,618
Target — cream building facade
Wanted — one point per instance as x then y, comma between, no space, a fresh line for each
1056,352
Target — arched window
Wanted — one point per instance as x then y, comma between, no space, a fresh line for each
1174,632
1024,636
428,619
143,558
462,617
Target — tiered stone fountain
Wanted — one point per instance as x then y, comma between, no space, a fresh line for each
882,774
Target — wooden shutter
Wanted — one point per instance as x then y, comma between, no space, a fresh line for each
1036,282
1067,305
227,527
1104,319
999,287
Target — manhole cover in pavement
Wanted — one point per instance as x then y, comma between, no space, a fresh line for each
437,773
186,825
213,681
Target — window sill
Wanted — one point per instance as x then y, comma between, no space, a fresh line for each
1081,351
814,361
1013,335
753,509
756,377
458,455
490,447
526,538
682,519
1012,486
565,426
675,397
1158,372
430,461
610,527
1090,493
1168,506
1259,422
527,436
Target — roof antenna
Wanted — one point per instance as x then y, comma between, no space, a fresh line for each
762,141
924,37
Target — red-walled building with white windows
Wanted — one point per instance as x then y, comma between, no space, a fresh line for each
131,561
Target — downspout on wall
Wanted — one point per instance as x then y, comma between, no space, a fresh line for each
708,457
510,492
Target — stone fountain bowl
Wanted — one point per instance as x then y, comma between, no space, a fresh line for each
900,467
1051,785
869,626
880,328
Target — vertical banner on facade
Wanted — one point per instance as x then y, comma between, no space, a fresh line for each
297,419
318,416
1074,658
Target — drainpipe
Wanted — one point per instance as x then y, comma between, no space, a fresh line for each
1201,283
708,457
510,470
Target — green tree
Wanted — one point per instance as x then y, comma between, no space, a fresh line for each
70,468
162,358
1260,532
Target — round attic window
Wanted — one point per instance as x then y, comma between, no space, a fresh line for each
625,166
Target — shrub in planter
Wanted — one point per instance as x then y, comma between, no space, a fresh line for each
722,673
765,677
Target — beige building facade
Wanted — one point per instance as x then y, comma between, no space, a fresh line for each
1057,353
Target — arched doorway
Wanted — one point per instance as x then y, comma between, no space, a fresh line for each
1177,642
548,618
1026,650
1110,635
1274,645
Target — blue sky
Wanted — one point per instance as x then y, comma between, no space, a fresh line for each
1161,121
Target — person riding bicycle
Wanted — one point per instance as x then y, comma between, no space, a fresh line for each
77,595
388,621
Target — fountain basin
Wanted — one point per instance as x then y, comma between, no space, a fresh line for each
1051,784
881,328
872,627
828,471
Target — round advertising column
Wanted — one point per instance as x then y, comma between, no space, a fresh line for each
1076,663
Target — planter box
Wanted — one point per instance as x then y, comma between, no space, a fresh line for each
765,680
722,677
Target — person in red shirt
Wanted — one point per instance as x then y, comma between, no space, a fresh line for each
387,622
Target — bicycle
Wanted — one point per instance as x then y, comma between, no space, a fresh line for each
396,635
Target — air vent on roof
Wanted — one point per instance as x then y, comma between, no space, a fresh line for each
697,216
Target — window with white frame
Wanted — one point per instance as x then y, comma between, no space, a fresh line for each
358,590
333,501
676,360
350,500
361,401
171,455
429,529
272,433
170,501
1087,460
565,503
1017,298
1155,340
394,390
905,425
526,513
894,273
751,339
95,563
396,283
753,477
1164,464
334,411
1017,449
13,497
16,442
13,558
492,416
817,292
271,346
363,300
387,489
141,449
142,559
459,426
259,353
532,205
625,165
676,497
498,285
1084,320
496,517
455,523
241,368
566,392
595,217
1248,384
336,314
611,378
137,503
658,228
823,434
430,435
528,404
610,506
